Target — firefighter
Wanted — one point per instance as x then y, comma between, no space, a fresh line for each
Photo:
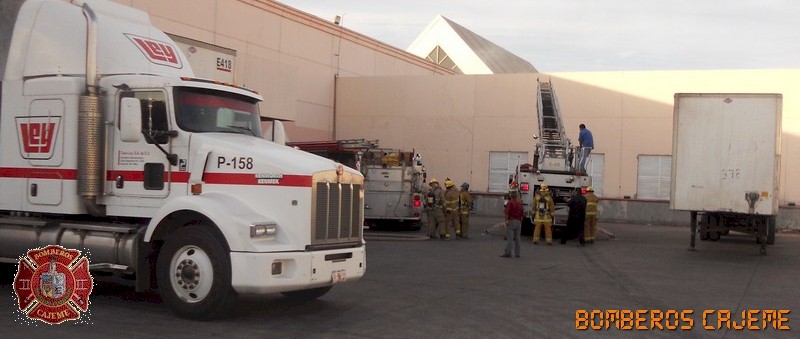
464,204
433,205
576,220
590,224
451,208
544,209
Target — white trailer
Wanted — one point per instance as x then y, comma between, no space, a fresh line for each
207,60
726,163
111,146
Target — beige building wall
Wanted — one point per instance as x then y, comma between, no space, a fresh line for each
292,58
455,121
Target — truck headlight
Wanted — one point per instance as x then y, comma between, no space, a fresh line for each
263,230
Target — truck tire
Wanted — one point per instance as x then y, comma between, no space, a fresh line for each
771,230
307,295
194,274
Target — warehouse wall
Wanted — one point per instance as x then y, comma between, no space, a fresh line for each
453,122
289,56
456,121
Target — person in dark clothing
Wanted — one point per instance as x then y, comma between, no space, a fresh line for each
576,218
513,223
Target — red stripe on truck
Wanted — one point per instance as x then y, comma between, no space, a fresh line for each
179,177
287,180
39,173
72,174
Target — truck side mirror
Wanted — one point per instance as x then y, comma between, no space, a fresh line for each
130,120
276,134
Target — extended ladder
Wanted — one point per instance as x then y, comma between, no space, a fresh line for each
554,140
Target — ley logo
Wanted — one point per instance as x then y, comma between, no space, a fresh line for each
37,136
53,284
158,52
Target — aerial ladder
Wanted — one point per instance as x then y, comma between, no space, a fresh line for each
555,159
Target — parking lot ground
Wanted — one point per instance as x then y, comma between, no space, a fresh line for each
417,288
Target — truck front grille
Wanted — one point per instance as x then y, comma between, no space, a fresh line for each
338,213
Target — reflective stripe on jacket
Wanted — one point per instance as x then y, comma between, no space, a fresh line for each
451,200
465,201
591,203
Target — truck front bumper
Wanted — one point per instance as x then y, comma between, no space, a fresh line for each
289,271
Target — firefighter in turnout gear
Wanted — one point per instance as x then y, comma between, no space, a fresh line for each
590,224
451,214
434,204
544,207
464,205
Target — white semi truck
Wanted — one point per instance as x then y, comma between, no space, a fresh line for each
726,163
109,145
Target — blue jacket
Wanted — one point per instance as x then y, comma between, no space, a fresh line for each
585,138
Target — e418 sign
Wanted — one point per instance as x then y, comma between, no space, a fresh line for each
224,64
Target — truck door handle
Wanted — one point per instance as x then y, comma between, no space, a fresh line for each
120,182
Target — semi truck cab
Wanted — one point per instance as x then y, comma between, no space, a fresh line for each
111,145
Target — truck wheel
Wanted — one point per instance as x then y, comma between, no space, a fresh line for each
771,230
194,274
307,295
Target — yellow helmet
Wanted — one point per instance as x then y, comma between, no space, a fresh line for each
433,181
544,188
589,189
449,183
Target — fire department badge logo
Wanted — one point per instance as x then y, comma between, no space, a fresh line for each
53,284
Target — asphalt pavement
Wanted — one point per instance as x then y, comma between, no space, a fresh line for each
420,288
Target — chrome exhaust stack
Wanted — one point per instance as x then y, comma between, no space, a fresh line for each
91,127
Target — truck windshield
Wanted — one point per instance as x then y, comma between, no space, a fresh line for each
202,110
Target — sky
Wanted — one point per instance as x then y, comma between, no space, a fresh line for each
596,35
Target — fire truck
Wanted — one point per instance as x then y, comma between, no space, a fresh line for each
111,146
393,179
555,162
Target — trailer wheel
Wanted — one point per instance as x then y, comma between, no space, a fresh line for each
307,295
704,219
771,230
194,274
